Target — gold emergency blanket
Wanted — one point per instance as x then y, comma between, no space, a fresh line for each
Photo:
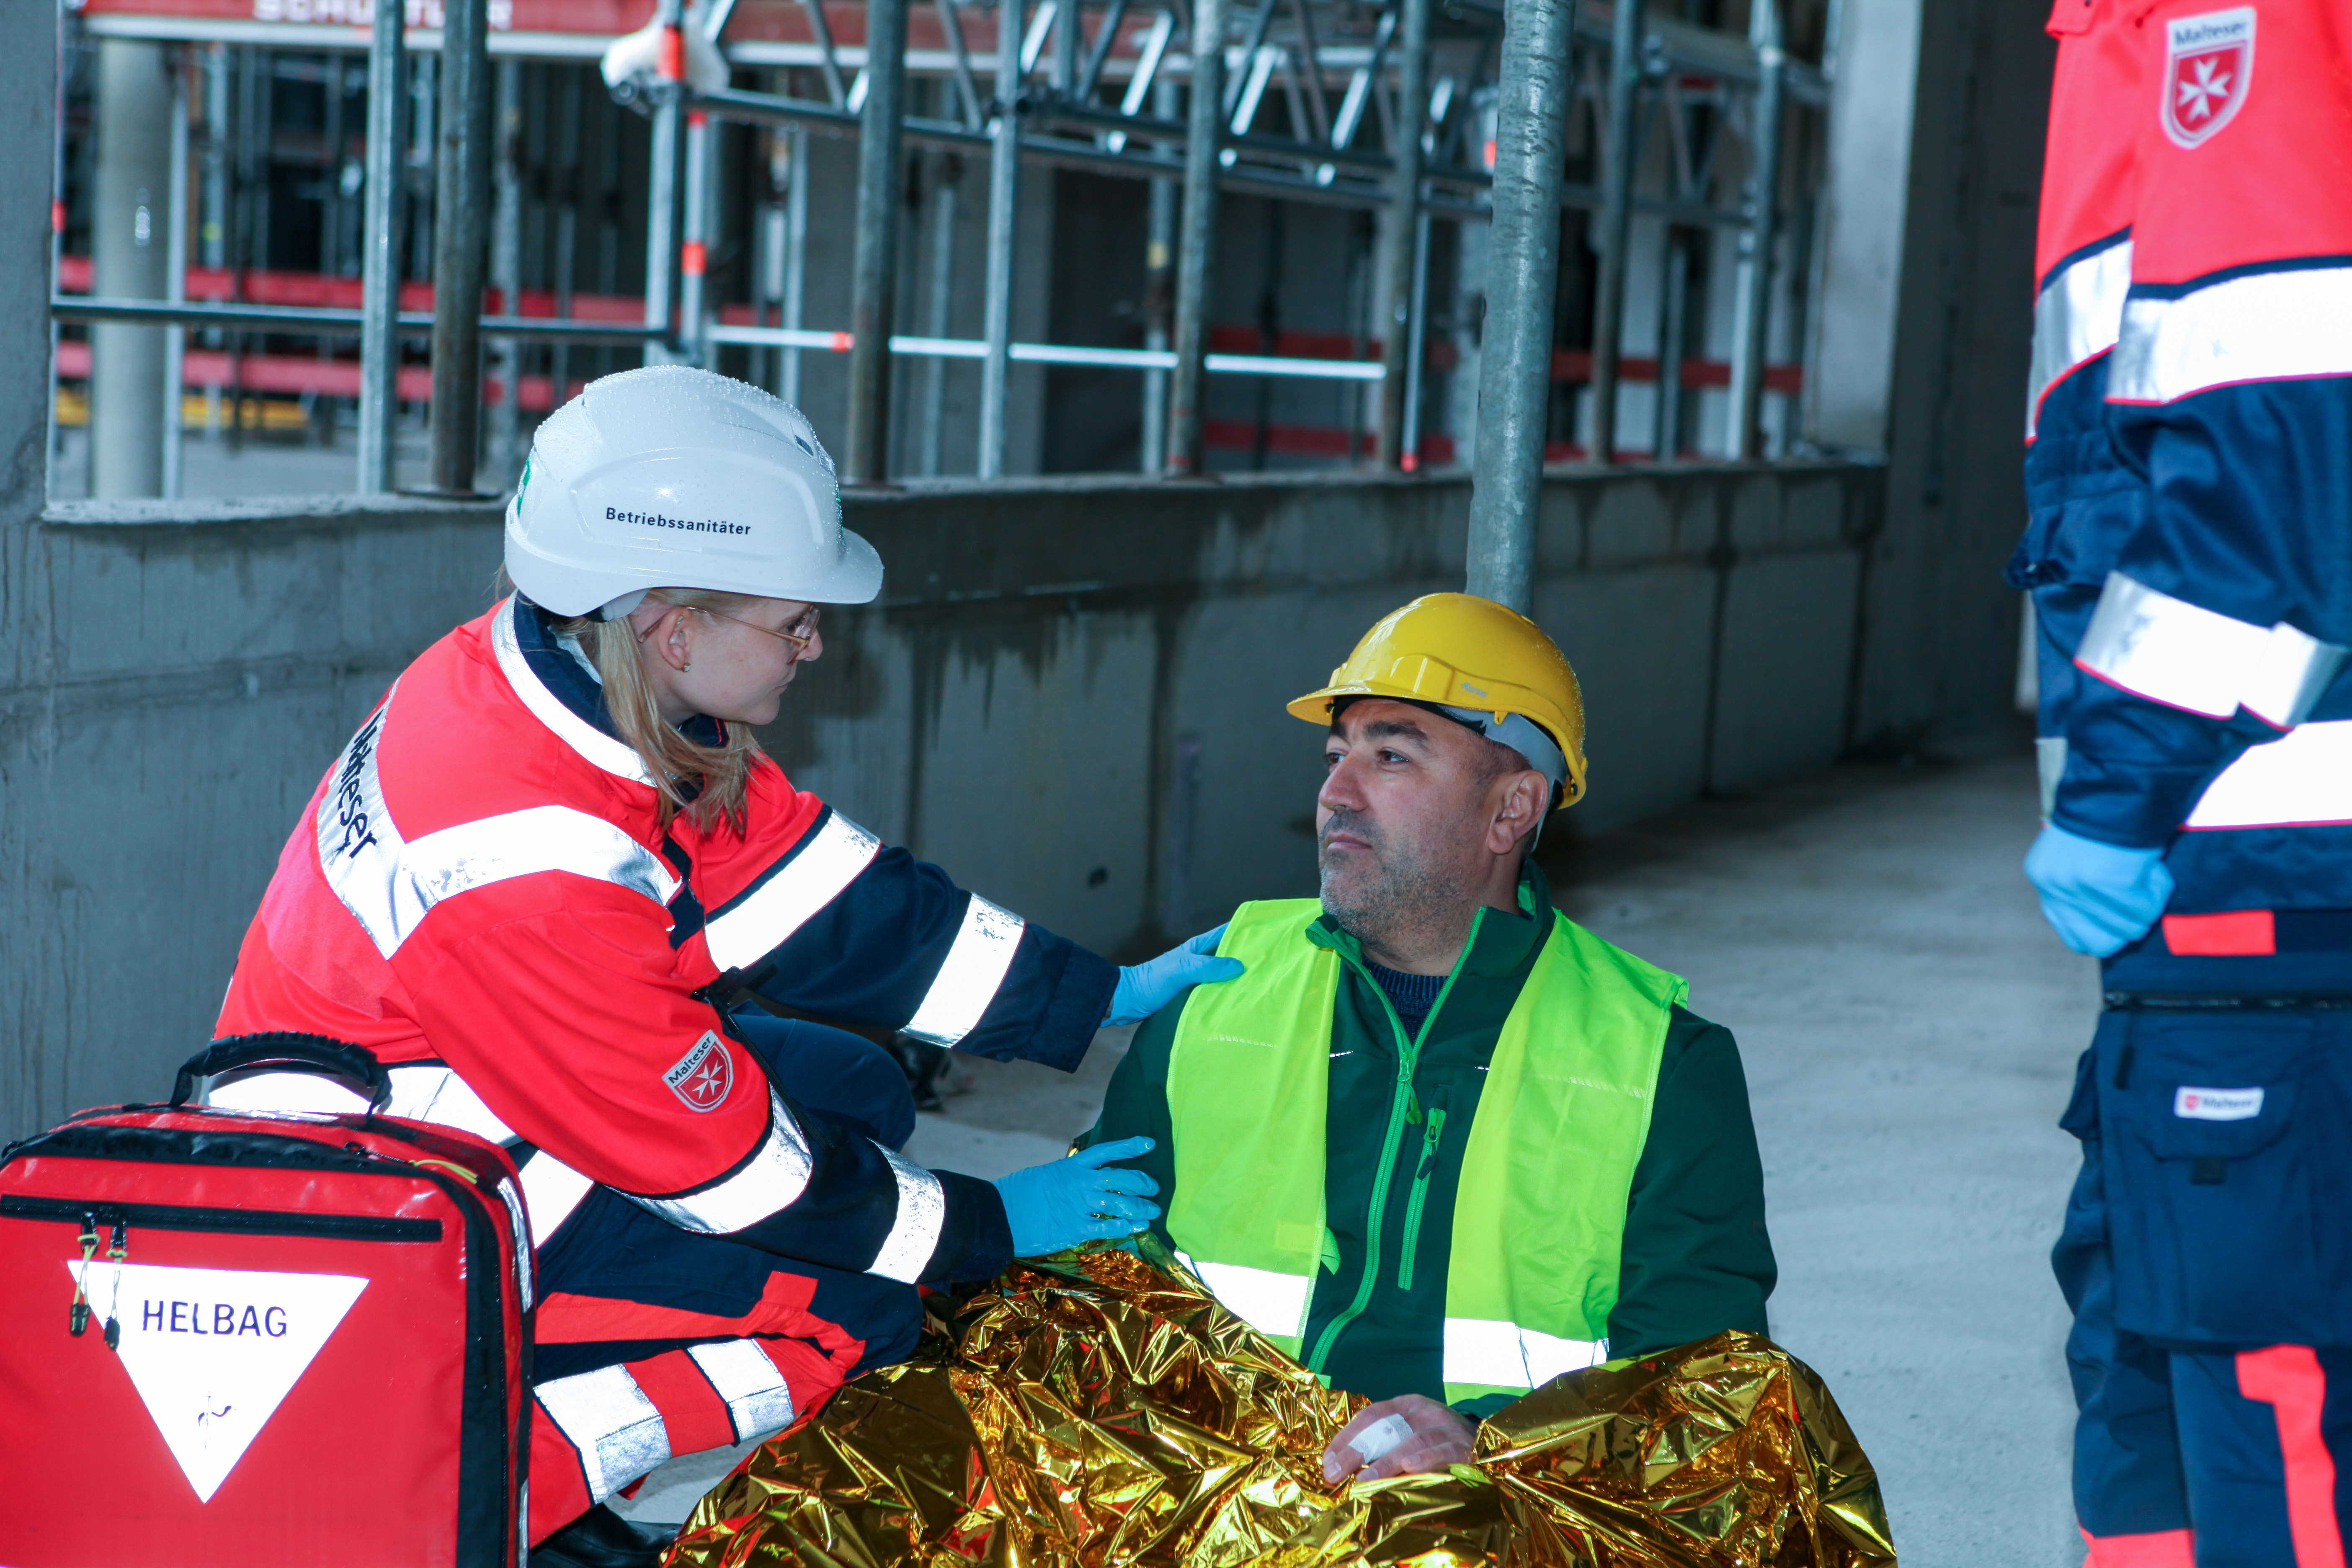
1094,1412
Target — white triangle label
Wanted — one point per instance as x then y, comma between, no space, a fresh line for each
212,1351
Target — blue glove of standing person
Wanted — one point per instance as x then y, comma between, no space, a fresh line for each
1064,1202
1145,988
2098,897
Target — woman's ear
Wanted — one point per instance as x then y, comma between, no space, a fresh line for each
669,635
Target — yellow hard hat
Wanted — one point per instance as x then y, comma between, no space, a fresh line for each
1457,650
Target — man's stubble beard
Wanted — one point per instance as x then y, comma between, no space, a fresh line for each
1395,889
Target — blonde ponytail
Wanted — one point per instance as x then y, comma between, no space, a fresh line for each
703,782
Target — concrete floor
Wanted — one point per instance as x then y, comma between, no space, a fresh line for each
1910,1028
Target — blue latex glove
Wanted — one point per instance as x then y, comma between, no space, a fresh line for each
1064,1202
1145,988
2098,897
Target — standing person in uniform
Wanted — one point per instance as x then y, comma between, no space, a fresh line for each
2190,555
532,881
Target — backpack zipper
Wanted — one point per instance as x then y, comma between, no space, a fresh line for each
1399,1101
246,1222
1429,1141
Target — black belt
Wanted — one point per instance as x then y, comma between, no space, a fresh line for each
2206,1002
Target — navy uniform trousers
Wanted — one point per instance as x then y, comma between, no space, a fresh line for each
652,1342
2206,1255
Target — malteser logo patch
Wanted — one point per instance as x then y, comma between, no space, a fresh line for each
703,1077
2209,68
2217,1104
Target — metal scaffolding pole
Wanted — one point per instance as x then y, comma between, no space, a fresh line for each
175,276
661,185
788,372
1620,152
1752,313
1674,334
506,275
1004,215
1417,320
694,250
875,269
1515,360
387,143
1158,275
1400,229
128,261
1197,238
461,186
940,286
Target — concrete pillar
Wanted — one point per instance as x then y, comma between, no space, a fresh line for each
128,262
1865,197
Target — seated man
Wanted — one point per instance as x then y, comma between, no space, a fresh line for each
1439,1143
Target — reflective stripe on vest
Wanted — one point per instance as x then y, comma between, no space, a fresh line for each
1532,1268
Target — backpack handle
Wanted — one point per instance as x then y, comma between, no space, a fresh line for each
302,1053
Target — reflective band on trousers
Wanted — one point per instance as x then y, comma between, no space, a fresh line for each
2269,326
2302,779
1481,1350
967,979
607,1417
391,884
2173,652
776,1174
758,1400
2076,317
755,922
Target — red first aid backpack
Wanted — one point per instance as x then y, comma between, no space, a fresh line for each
262,1340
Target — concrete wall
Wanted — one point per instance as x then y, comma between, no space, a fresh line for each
1940,631
1069,695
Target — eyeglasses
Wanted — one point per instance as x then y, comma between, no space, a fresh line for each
800,634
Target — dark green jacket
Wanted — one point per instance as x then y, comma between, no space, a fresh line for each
1697,1258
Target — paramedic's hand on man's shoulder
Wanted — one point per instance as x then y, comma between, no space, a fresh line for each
1145,988
1081,1198
1410,1435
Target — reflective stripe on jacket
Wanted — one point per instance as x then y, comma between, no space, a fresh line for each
1536,1240
482,882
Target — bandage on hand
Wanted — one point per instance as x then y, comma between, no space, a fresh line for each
1380,1439
1408,1434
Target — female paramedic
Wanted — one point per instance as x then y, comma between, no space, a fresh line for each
550,854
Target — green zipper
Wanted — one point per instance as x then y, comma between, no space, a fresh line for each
1408,1051
1429,1140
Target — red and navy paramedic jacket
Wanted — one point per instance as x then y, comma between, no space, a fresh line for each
481,894
2215,719
2081,501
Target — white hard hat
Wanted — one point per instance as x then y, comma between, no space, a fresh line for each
670,477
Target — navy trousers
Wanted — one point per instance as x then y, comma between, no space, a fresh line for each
2212,1372
652,1342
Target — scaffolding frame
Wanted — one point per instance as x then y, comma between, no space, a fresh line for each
1103,101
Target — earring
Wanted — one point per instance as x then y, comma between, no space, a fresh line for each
686,669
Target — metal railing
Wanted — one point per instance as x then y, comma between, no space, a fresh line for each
1279,103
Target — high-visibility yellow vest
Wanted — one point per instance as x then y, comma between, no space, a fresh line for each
1539,1210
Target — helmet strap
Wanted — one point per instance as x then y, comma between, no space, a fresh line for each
620,609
